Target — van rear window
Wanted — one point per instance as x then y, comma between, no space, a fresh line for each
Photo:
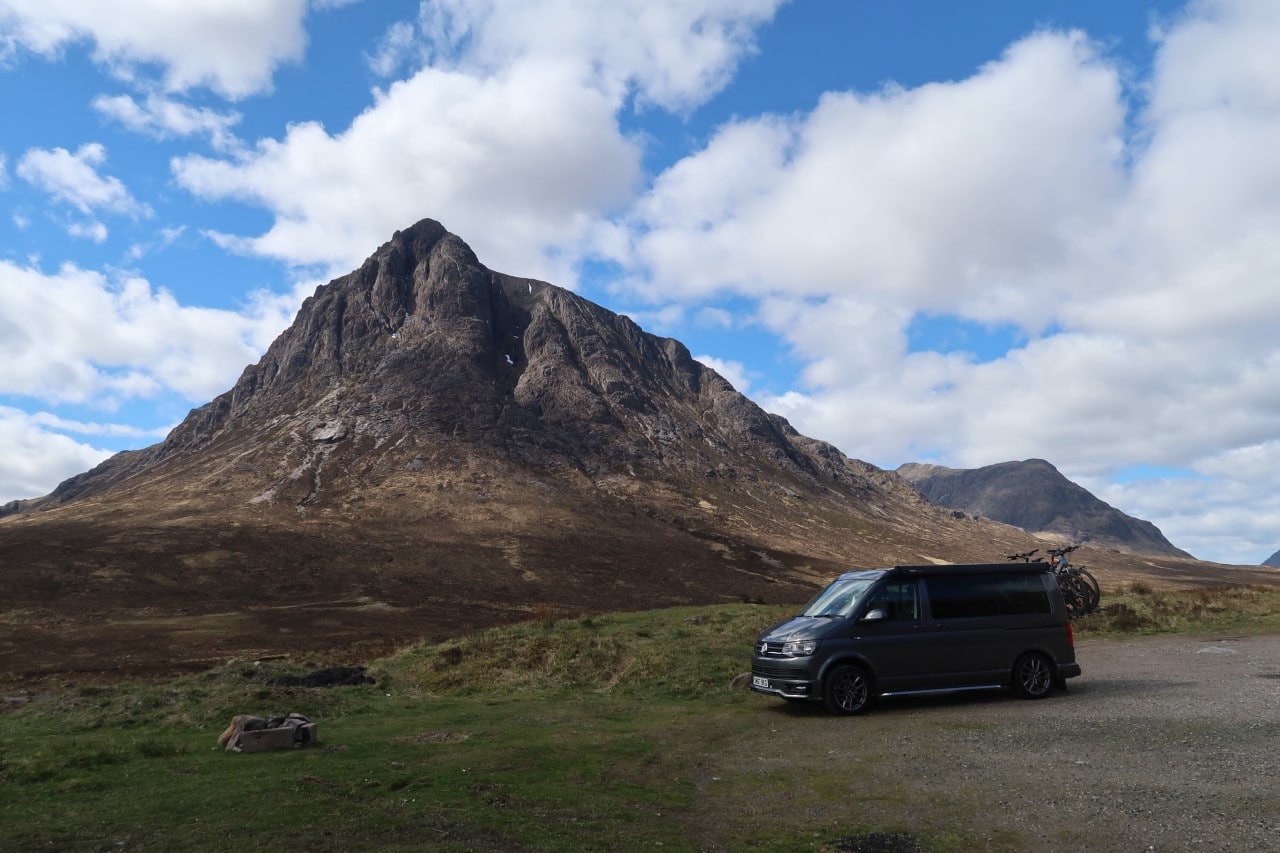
969,596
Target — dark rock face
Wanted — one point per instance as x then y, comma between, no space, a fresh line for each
1034,496
424,341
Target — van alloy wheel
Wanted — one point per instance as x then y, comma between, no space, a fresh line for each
847,690
1033,676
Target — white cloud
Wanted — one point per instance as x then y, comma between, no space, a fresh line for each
89,229
74,180
1137,253
510,137
166,237
673,53
398,46
34,457
46,420
942,197
231,46
165,118
4,172
444,145
76,336
1227,509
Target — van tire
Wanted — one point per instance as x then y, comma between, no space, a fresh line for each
1033,676
847,690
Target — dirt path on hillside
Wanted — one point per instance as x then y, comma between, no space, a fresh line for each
1165,743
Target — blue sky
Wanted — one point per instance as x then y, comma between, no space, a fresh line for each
960,233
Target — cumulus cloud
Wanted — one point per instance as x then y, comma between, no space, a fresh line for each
1222,509
90,229
76,336
230,46
441,144
72,179
34,457
165,118
672,53
475,138
944,197
1134,250
398,47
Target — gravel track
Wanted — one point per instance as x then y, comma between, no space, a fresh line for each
1165,743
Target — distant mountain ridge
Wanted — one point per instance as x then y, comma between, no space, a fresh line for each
1035,496
1273,560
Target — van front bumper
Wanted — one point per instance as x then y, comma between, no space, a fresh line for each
768,676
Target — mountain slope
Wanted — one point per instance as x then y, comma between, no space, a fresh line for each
1034,496
433,447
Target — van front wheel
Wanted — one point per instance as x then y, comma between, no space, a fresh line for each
847,690
1033,676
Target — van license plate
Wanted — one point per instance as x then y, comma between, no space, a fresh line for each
759,681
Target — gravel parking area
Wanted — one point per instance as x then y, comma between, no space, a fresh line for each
1164,743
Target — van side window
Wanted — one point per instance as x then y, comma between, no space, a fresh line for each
899,601
963,597
1025,594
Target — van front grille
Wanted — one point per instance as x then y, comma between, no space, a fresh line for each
776,671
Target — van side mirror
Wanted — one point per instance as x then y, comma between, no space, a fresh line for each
874,615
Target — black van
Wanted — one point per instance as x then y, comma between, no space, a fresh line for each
921,629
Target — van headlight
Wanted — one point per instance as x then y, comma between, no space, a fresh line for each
799,648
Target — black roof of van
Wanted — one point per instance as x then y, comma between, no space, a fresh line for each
949,569
971,568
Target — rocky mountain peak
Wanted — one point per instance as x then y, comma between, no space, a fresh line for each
1033,495
424,344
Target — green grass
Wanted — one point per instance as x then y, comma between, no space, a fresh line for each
545,735
676,653
602,733
1141,610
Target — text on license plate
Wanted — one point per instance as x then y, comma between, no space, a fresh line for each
759,681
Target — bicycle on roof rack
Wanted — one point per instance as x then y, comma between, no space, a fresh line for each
1079,588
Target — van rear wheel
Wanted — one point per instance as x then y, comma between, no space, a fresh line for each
847,690
1033,676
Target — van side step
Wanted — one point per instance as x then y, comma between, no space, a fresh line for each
939,690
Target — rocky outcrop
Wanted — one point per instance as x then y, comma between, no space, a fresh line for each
424,341
1034,496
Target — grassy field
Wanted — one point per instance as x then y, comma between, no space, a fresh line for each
586,734
1140,610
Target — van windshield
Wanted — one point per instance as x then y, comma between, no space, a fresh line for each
840,598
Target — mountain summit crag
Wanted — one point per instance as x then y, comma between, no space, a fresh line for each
424,345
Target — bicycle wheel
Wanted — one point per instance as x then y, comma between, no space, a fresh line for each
1075,593
1090,586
